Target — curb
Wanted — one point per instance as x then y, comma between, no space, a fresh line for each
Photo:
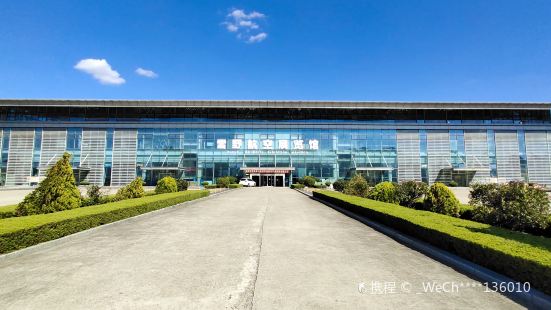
533,299
51,243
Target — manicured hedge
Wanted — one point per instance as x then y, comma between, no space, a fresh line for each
7,211
523,257
235,186
20,232
297,186
466,212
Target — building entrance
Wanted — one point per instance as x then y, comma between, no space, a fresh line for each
272,176
277,180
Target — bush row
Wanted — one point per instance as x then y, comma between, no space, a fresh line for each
223,182
514,205
522,257
437,198
7,211
20,232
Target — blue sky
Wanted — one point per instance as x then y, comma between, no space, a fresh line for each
458,50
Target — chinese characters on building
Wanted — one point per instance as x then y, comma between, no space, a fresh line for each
267,144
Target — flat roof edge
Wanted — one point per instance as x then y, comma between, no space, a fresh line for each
274,104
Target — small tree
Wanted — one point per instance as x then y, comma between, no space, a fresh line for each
182,185
440,199
57,192
357,186
132,190
309,181
166,185
223,182
384,191
515,205
339,185
409,191
93,195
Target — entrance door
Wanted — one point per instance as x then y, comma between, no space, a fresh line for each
279,181
266,180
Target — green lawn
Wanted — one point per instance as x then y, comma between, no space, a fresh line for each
19,232
521,256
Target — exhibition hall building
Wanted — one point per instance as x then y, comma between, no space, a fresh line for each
275,142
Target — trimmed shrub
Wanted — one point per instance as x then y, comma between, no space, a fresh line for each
182,185
20,232
57,192
409,192
453,184
205,183
339,185
132,190
466,212
546,232
515,205
211,186
440,199
93,196
309,181
223,181
8,211
523,257
166,185
297,186
384,191
235,186
327,183
357,186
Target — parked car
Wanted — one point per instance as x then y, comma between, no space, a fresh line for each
247,182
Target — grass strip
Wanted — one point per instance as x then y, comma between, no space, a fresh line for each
20,232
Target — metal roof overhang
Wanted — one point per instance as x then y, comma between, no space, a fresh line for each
81,168
373,168
276,104
471,169
161,168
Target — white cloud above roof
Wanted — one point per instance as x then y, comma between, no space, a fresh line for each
258,38
147,73
246,25
100,70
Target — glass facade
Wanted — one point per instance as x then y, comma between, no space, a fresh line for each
111,145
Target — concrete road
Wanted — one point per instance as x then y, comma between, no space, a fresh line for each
13,196
261,248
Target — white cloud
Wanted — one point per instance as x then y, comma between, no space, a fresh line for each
232,27
237,14
146,73
100,70
248,23
257,38
245,25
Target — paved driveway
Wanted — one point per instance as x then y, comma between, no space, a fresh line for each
262,248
